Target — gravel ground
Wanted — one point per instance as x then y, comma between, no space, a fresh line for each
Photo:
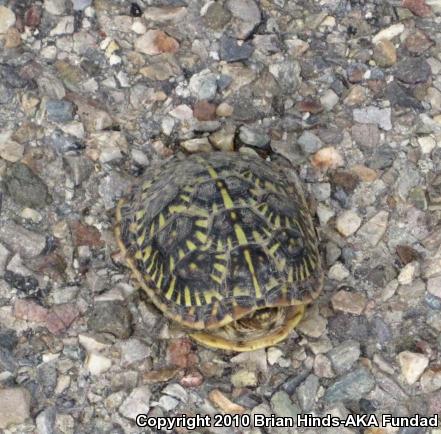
93,92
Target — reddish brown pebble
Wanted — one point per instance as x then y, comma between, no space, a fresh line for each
29,310
222,402
32,17
165,43
418,7
356,72
327,158
310,106
407,254
204,111
179,353
193,379
159,376
417,42
61,317
348,181
85,235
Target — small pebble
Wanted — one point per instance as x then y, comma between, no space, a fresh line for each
412,365
14,406
347,223
350,302
138,402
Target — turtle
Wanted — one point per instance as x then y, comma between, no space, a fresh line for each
224,244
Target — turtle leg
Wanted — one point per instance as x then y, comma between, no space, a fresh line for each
293,317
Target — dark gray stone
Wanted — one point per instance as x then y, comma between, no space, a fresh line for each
344,356
25,187
399,95
412,70
351,386
111,317
59,110
231,51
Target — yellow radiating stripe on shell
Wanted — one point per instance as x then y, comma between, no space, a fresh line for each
140,239
149,268
311,262
138,255
305,266
178,298
209,295
190,245
228,202
139,215
239,292
187,296
177,209
229,243
184,197
161,221
201,237
216,278
160,278
152,229
240,235
302,273
147,252
219,267
133,228
277,221
171,289
212,172
290,275
201,223
257,237
220,246
274,248
181,253
256,285
197,299
172,263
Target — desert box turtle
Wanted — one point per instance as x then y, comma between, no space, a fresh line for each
224,244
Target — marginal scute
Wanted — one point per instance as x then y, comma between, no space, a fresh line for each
214,237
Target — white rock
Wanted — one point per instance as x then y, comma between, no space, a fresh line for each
203,85
324,213
55,7
373,230
427,144
65,26
329,99
431,380
389,33
14,406
7,19
408,273
182,112
347,223
11,151
139,27
31,214
338,272
138,402
434,286
97,363
412,365
274,354
133,350
91,344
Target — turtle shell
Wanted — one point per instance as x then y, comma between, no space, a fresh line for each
214,237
